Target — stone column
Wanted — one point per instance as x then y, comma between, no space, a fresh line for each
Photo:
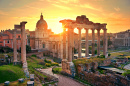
98,42
79,44
72,43
86,44
64,61
23,45
93,42
69,45
105,43
64,43
15,47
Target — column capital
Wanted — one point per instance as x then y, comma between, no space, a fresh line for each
23,23
79,28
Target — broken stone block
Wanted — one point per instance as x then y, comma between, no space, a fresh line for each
21,80
6,83
30,83
32,77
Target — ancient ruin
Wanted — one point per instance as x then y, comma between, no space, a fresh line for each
68,36
23,46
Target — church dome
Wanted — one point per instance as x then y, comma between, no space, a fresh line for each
41,24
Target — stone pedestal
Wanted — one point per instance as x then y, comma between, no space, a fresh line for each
31,77
6,83
21,80
64,64
68,67
30,83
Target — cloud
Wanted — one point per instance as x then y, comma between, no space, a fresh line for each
64,1
117,9
69,1
3,13
90,7
62,7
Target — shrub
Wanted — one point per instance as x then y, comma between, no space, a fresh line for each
109,54
102,56
47,61
54,64
57,70
126,73
48,64
33,55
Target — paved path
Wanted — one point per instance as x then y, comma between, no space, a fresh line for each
63,81
127,67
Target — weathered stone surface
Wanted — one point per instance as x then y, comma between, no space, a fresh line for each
21,80
30,83
7,82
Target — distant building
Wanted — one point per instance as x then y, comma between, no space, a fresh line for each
122,39
6,38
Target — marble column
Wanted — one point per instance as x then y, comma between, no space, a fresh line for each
14,47
79,44
98,42
72,43
23,44
86,44
64,43
105,42
69,45
93,42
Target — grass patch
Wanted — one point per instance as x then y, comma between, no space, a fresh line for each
10,73
57,70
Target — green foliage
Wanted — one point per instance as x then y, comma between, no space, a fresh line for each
95,51
47,61
90,47
101,56
33,55
126,73
54,64
10,73
109,54
48,64
57,70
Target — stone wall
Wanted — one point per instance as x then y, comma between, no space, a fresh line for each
105,80
85,72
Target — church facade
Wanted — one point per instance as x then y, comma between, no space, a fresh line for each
43,39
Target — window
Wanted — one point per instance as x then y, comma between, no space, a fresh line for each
43,45
7,41
19,36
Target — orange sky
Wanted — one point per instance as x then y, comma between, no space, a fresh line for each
113,12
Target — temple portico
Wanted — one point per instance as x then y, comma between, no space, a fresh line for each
80,23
